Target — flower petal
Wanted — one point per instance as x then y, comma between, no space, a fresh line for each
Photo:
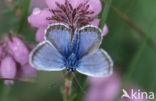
38,17
95,22
8,67
105,30
40,34
19,50
107,87
95,5
28,71
52,3
75,3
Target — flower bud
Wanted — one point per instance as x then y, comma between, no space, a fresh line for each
28,71
40,34
95,5
8,69
52,3
1,49
76,3
38,17
19,50
95,22
105,30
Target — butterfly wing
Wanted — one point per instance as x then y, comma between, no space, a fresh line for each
97,64
46,57
89,40
60,36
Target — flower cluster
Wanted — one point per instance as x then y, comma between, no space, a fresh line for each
75,13
107,89
14,56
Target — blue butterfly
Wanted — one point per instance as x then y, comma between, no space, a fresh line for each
79,51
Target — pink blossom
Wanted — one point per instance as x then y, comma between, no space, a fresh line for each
52,3
1,52
38,18
14,59
19,50
95,22
40,34
8,69
76,3
106,89
28,71
105,30
95,5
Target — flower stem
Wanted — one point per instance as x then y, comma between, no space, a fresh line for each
5,93
105,12
140,32
68,84
24,15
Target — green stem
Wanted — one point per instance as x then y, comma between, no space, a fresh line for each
5,92
24,15
105,13
68,84
140,32
132,67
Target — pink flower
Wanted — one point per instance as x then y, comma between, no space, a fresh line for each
106,89
52,3
95,22
19,50
38,18
75,13
8,69
105,30
0,51
14,56
40,34
28,71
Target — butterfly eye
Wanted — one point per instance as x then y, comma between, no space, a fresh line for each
70,70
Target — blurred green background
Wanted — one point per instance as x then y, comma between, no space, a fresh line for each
131,48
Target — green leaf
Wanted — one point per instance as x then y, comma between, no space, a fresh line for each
105,13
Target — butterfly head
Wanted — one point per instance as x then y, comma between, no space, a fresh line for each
70,70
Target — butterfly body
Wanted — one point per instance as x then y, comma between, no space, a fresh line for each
78,51
71,62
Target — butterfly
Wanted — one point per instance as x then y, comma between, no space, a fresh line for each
65,49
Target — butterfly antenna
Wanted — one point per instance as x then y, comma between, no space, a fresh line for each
82,90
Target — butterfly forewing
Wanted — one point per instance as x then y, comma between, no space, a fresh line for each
89,40
60,36
46,57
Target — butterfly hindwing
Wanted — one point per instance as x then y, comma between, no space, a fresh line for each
60,36
98,63
46,57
